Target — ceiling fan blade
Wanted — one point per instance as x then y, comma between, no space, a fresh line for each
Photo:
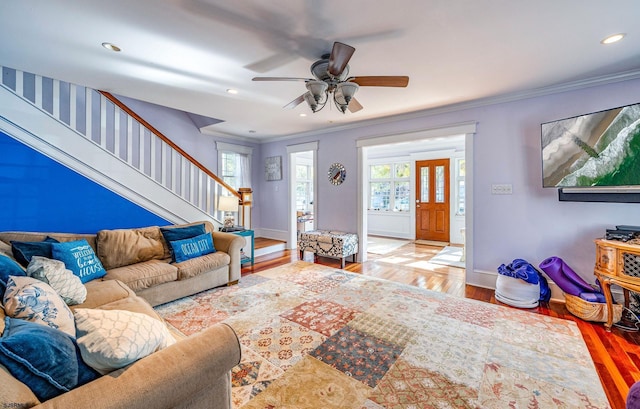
280,79
295,102
354,105
381,81
340,56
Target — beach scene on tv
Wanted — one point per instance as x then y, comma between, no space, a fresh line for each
598,149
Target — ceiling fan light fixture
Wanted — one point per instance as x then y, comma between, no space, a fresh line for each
317,89
344,93
311,101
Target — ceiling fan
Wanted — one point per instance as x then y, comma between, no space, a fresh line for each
332,82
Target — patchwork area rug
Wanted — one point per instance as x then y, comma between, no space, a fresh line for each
319,337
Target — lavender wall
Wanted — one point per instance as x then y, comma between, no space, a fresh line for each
531,223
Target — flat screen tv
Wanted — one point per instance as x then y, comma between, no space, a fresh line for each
600,149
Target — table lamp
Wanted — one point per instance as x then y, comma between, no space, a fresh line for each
228,204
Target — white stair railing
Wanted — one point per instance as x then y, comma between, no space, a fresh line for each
102,119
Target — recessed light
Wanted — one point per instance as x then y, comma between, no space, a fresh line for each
232,91
613,38
111,47
303,114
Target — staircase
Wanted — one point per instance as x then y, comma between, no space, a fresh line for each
94,134
266,246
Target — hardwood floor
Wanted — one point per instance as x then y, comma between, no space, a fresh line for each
616,354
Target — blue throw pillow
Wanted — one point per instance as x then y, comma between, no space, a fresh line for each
24,250
79,257
8,268
181,233
45,359
186,249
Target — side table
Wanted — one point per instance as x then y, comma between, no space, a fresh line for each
244,233
617,263
250,239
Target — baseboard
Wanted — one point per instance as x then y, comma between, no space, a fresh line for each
392,235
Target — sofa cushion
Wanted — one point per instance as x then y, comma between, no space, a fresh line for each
80,258
101,292
13,393
144,275
117,248
187,249
43,358
24,250
199,265
62,280
5,250
133,304
8,267
36,301
112,339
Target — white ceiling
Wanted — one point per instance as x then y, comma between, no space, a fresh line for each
185,54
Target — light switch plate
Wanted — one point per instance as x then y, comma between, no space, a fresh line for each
501,189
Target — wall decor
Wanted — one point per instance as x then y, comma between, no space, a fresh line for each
273,168
337,173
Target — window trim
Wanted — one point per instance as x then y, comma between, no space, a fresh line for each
223,147
393,179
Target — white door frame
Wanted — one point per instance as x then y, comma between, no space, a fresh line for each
292,242
466,129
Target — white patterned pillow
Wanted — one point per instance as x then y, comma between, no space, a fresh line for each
112,339
63,281
36,301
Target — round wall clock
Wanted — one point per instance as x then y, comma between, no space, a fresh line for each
337,173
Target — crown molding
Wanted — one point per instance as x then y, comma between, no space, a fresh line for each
476,103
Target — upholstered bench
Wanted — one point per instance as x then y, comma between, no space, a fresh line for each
329,243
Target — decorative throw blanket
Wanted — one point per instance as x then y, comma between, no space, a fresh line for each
319,337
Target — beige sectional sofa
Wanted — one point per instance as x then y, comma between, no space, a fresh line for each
195,371
141,259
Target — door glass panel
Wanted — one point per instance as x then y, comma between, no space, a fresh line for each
439,187
424,185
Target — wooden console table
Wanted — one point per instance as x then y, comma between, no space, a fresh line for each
617,263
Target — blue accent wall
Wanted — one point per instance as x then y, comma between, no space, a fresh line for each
40,194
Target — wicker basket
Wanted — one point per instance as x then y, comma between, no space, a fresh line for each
591,311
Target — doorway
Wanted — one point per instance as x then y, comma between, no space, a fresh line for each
433,143
432,200
303,180
304,191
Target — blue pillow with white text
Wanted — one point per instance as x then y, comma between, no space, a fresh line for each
181,233
187,249
79,257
